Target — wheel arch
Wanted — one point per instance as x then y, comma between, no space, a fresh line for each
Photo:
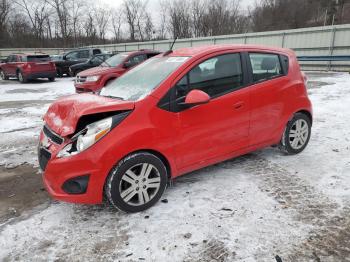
307,113
158,154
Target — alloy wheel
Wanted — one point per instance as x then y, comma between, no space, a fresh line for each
20,77
139,184
298,134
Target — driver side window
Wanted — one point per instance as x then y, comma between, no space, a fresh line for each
216,76
72,56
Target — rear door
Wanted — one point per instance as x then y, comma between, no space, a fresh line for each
221,126
12,65
6,66
268,85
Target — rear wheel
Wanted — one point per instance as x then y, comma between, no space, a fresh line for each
21,77
3,75
51,79
136,183
296,135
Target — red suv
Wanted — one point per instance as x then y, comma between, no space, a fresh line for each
173,114
27,67
92,80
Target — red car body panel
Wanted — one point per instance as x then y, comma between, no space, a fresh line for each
63,116
236,123
30,70
106,74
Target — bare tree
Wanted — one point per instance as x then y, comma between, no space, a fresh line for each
117,22
132,8
63,17
77,8
89,27
179,23
101,20
37,12
5,8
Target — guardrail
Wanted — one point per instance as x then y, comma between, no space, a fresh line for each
319,48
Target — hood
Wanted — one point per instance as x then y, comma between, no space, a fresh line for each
99,70
63,115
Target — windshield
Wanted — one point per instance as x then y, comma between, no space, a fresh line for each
141,80
115,60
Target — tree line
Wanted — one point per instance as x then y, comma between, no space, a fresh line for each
74,23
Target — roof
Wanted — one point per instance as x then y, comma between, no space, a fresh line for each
202,50
29,54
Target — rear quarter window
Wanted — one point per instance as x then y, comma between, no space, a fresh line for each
265,66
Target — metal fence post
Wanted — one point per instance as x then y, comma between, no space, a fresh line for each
283,38
331,46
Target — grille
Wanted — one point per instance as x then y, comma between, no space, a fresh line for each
80,79
52,135
44,157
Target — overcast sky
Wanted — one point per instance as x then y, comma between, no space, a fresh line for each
153,5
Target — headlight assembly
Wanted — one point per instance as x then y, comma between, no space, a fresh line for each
92,78
90,135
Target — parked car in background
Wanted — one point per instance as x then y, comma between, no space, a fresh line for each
74,57
26,67
92,80
173,114
93,62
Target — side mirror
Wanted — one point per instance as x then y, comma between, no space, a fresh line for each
196,97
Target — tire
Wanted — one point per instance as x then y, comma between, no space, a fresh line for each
59,72
51,79
296,135
21,77
128,191
3,75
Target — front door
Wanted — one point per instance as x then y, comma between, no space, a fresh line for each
221,126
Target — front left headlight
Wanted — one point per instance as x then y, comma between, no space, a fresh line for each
92,78
90,135
94,132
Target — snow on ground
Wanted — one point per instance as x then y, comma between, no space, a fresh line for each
251,208
21,109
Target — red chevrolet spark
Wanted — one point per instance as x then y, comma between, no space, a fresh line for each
94,79
175,113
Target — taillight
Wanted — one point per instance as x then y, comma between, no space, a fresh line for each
53,65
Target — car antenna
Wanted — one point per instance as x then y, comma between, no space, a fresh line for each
171,48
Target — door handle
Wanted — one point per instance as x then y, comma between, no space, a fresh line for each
238,105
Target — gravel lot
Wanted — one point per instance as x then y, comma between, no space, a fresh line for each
263,206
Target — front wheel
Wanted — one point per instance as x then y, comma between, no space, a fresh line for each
137,182
296,135
21,77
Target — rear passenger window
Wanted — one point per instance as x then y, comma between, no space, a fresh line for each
265,66
215,76
84,54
